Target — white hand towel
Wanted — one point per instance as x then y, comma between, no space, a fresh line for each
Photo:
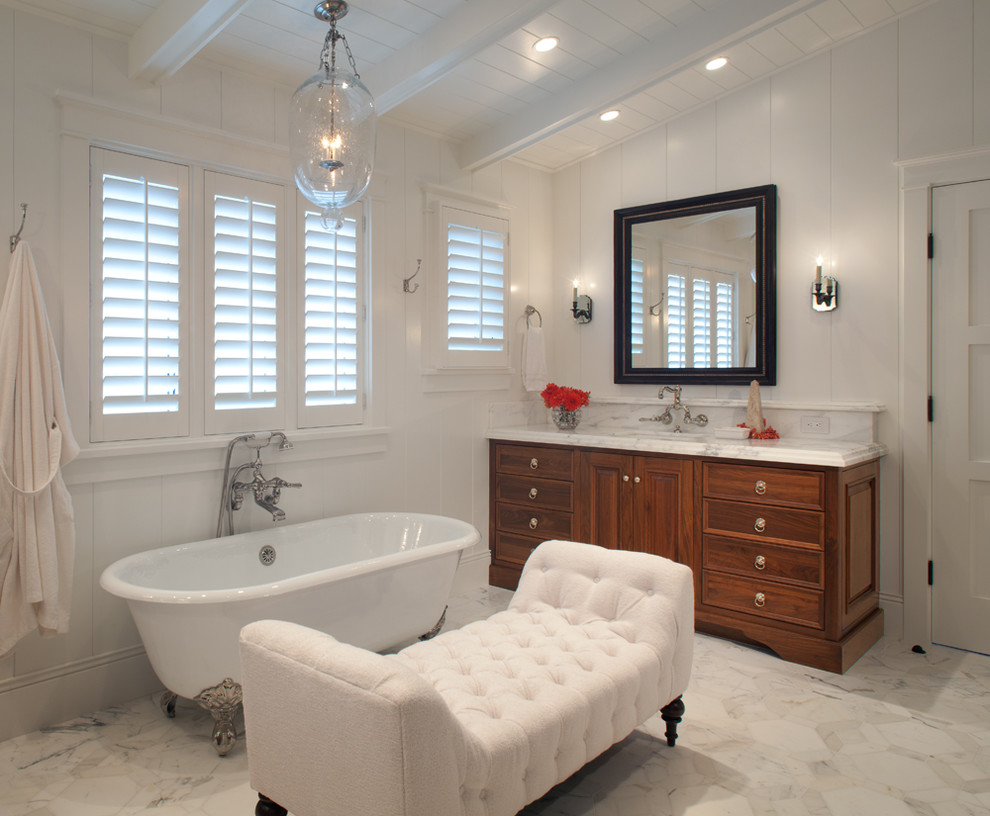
534,363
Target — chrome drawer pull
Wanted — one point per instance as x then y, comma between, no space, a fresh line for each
761,487
534,463
533,523
760,599
761,525
533,492
760,563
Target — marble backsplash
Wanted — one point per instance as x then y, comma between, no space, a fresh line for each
847,421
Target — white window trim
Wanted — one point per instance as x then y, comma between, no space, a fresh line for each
492,370
87,123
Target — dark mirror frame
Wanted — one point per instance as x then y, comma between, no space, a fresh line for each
764,199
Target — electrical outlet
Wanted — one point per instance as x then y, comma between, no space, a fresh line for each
814,424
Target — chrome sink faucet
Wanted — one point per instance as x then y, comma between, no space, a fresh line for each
666,417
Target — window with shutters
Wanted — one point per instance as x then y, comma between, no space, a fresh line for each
473,249
184,348
140,267
243,252
701,317
330,332
637,305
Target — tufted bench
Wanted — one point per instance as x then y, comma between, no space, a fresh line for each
481,720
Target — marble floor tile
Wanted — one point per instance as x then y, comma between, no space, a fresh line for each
900,734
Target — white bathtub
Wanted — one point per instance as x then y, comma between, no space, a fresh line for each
372,579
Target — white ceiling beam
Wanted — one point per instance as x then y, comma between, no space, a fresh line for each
702,36
454,39
174,34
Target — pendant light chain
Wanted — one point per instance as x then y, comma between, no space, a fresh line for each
330,49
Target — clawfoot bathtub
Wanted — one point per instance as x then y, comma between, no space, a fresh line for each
373,580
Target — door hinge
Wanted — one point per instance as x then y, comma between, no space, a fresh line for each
931,573
931,245
931,409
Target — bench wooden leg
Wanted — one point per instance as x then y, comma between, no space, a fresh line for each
266,807
672,714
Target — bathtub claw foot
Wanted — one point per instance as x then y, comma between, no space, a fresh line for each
436,627
167,702
223,702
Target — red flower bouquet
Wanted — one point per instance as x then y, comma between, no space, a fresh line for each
560,396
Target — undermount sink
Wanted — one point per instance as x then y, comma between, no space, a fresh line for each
658,429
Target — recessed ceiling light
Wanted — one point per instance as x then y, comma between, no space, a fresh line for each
546,44
609,115
715,64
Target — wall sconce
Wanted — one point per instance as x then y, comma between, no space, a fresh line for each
825,291
580,306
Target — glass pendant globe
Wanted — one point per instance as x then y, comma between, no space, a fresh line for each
332,126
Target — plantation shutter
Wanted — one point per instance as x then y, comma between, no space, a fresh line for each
724,325
243,245
476,258
676,322
139,383
637,305
331,324
701,321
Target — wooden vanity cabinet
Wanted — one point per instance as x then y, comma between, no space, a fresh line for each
532,500
784,556
787,558
636,503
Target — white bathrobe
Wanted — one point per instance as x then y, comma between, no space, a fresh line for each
37,536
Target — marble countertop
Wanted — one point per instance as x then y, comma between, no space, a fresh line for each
798,451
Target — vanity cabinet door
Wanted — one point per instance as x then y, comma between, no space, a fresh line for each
640,503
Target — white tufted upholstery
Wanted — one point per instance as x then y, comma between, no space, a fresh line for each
481,720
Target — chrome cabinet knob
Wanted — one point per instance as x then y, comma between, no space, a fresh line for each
760,525
760,562
760,599
636,480
625,478
534,463
533,492
761,487
534,523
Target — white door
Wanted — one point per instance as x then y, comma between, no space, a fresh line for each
961,426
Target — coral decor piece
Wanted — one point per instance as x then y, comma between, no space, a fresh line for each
562,396
758,426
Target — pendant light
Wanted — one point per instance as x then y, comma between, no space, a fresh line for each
332,128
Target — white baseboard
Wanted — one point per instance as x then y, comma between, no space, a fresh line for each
893,616
472,573
47,698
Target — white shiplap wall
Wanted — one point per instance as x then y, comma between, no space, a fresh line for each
431,454
828,132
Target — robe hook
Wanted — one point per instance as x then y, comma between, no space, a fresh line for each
17,235
405,281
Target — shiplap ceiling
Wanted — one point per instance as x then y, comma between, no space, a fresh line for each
466,69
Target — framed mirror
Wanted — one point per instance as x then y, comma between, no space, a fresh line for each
695,289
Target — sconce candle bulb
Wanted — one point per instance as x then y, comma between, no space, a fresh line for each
580,306
824,298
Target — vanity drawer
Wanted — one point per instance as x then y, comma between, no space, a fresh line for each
533,492
533,521
763,485
767,599
550,463
766,561
776,523
514,549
